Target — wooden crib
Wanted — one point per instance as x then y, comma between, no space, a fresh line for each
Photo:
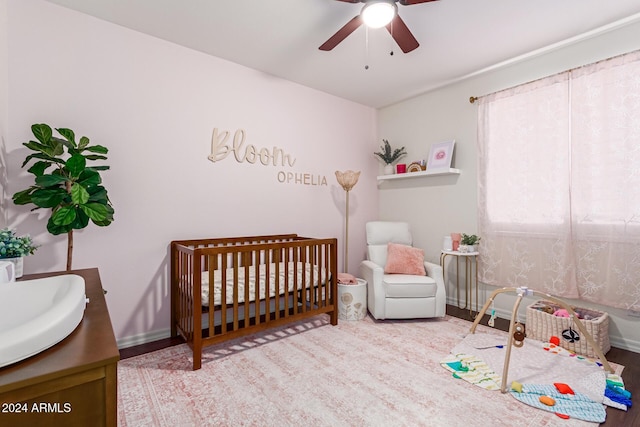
270,281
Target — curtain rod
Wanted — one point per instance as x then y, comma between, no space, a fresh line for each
473,99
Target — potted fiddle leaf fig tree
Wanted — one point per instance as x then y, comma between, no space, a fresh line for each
65,182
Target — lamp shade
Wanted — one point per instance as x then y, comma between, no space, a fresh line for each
377,14
347,179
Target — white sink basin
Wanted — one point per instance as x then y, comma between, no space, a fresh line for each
37,314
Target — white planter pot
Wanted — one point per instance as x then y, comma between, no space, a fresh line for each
465,249
388,169
18,263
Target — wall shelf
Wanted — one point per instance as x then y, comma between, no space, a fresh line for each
433,172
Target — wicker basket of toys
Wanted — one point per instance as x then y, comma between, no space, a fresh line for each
546,319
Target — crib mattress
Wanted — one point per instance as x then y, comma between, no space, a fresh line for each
280,277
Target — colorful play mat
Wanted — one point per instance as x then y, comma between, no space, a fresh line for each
541,375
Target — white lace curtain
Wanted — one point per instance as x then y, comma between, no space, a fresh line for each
559,184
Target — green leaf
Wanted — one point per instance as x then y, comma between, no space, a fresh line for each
103,223
100,168
42,132
84,141
95,157
48,197
79,195
89,178
64,216
98,194
23,197
57,229
61,142
109,217
38,168
81,221
43,157
76,164
35,146
95,211
50,180
98,149
97,191
110,211
58,149
68,134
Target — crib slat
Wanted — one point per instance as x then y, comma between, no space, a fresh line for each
325,287
277,260
304,286
247,264
223,294
211,299
287,267
268,285
296,282
235,293
256,290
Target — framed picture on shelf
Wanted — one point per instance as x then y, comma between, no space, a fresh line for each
440,155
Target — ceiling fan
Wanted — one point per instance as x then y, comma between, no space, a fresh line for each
395,25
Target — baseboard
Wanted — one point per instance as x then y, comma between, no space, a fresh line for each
616,341
624,344
145,338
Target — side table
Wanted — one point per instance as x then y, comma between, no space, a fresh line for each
471,279
352,300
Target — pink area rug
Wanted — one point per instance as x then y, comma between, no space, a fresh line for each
361,373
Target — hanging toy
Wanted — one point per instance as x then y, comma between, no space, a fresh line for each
492,319
570,335
518,335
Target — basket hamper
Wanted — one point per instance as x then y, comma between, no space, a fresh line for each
542,326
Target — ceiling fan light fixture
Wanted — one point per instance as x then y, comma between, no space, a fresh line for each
377,14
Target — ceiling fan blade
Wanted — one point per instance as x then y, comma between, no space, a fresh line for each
342,33
402,35
410,2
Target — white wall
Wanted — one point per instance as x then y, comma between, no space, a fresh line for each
438,206
154,105
3,111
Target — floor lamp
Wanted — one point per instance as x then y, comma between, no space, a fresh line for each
347,179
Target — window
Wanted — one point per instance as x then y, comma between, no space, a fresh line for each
559,184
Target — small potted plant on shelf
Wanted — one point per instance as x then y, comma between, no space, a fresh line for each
389,156
14,248
469,243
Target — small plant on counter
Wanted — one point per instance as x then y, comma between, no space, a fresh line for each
65,183
388,155
469,239
12,246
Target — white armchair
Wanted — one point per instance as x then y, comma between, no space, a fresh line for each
399,296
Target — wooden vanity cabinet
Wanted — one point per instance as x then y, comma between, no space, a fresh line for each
73,383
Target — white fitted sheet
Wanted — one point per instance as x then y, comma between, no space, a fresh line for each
280,277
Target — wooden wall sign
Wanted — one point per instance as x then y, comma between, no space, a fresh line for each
221,148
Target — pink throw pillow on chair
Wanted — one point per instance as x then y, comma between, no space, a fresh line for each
403,259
